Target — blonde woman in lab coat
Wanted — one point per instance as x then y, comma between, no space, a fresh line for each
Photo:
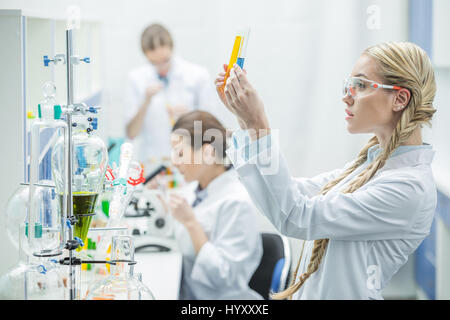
361,222
218,233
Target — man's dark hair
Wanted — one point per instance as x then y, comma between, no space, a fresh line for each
155,36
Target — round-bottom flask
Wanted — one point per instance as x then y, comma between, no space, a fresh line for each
32,278
122,284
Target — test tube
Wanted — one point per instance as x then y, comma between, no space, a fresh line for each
233,58
243,47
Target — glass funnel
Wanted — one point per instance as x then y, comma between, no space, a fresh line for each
89,161
121,284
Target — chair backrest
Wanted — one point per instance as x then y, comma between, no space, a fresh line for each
272,272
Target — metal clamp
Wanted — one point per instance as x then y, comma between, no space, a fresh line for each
47,253
85,215
59,58
114,262
79,241
66,261
38,185
42,269
77,59
94,261
71,245
71,221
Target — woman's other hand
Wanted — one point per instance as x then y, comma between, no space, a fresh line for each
220,87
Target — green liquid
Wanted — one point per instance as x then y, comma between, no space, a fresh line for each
105,207
83,203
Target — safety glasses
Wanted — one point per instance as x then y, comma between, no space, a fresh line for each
355,86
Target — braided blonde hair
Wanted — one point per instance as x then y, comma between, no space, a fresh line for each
399,63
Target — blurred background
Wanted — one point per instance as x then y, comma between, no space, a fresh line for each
298,54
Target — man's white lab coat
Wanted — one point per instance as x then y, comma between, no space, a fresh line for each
188,84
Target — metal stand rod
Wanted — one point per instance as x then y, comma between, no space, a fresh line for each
69,53
67,196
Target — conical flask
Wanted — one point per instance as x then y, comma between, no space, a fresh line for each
89,162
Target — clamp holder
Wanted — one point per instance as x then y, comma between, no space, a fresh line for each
71,245
66,261
114,262
59,58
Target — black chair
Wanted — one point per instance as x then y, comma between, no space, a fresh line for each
273,270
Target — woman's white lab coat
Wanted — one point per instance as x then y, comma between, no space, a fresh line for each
188,84
372,231
225,264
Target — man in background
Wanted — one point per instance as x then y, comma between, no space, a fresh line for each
160,91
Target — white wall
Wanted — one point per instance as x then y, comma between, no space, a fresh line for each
298,54
441,60
11,165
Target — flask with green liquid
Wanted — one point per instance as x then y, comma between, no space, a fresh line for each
89,162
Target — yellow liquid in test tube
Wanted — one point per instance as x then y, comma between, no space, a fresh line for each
233,59
108,266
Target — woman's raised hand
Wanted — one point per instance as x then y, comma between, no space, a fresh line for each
242,100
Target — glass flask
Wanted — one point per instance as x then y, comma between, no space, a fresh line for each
32,278
47,218
16,213
121,284
89,162
46,238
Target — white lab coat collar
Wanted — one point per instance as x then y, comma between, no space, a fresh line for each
176,69
176,62
399,159
423,156
216,186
